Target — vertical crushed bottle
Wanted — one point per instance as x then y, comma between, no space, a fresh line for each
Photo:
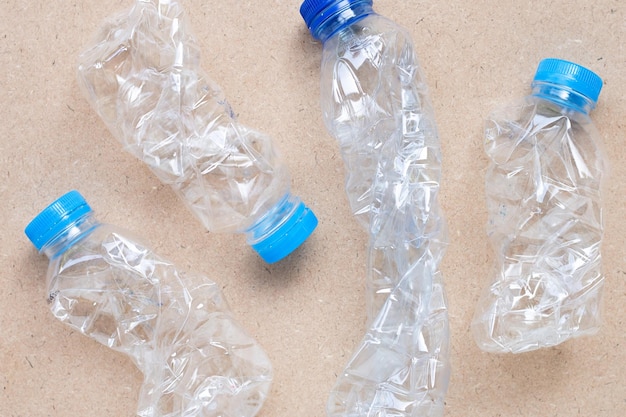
197,361
374,102
142,75
545,214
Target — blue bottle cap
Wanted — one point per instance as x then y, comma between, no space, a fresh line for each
569,75
316,12
55,218
288,236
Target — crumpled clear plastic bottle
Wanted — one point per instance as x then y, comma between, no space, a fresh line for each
142,75
196,359
545,214
374,102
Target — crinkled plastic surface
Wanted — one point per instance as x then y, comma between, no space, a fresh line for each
142,75
545,224
375,103
196,359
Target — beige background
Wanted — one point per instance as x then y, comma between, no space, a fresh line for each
308,311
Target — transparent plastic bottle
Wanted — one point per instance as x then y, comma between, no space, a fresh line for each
196,359
545,214
374,102
142,75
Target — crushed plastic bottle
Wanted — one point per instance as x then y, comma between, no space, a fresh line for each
142,75
197,361
374,102
545,214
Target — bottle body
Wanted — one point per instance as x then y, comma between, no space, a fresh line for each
545,224
142,75
178,330
375,103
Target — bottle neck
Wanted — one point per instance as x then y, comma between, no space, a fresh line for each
282,229
563,97
275,217
69,236
339,16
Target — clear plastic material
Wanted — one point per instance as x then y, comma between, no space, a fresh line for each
374,102
142,75
196,359
545,223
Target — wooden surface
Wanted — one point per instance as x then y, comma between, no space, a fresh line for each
308,311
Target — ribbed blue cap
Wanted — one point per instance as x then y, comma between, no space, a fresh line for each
288,236
55,218
570,75
316,12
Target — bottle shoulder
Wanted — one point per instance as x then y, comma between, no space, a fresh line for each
105,245
536,110
372,30
535,132
381,24
358,56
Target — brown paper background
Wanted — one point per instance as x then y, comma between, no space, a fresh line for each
308,311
